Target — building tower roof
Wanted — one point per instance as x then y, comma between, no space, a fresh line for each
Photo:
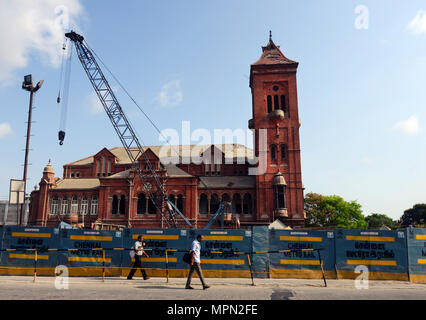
48,168
272,55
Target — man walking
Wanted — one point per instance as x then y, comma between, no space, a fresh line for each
138,262
196,263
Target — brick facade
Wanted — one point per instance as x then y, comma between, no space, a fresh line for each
104,188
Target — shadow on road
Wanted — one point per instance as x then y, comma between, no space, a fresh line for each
281,295
161,287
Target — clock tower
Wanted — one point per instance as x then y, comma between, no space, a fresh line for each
275,110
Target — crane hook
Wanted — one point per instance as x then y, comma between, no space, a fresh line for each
61,136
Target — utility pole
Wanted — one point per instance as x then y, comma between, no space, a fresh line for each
28,86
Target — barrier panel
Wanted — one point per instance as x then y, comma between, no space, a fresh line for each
157,241
260,243
416,242
260,252
21,244
221,252
87,252
301,254
383,252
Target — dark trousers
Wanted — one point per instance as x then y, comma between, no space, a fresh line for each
137,266
195,267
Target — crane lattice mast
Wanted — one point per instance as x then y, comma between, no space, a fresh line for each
124,129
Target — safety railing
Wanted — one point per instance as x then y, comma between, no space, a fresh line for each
166,269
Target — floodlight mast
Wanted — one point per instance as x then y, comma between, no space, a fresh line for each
27,85
124,130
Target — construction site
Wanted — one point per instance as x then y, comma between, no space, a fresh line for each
248,203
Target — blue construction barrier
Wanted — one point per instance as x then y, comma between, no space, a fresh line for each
383,252
223,252
21,242
82,255
416,243
305,252
157,241
260,242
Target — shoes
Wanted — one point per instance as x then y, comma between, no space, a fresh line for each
206,287
146,278
189,287
129,279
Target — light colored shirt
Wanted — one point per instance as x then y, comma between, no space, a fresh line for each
196,248
138,245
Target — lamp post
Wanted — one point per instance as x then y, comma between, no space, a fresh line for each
28,86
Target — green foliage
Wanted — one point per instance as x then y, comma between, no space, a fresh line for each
416,216
333,211
377,220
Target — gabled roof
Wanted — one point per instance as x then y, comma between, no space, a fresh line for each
273,55
149,154
77,184
183,151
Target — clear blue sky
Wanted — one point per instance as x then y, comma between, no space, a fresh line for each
361,91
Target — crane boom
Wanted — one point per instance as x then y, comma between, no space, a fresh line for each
124,129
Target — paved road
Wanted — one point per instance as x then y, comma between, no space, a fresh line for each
17,288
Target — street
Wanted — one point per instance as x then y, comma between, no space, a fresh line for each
23,288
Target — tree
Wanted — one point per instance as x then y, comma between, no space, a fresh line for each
333,211
377,220
416,216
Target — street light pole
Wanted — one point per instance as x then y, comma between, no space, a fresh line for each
28,86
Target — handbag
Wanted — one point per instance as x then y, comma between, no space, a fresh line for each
132,253
187,258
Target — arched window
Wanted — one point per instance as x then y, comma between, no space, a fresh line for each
103,166
203,204
214,203
247,204
54,205
84,205
109,168
123,204
283,151
64,206
273,153
280,202
179,203
114,204
269,104
276,103
74,205
172,199
283,105
152,209
236,203
94,205
226,198
141,204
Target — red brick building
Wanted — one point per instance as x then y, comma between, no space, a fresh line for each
104,188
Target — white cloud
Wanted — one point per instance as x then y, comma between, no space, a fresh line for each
33,28
418,24
171,94
367,160
5,129
94,104
409,126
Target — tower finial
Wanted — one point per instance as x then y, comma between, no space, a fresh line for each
270,35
